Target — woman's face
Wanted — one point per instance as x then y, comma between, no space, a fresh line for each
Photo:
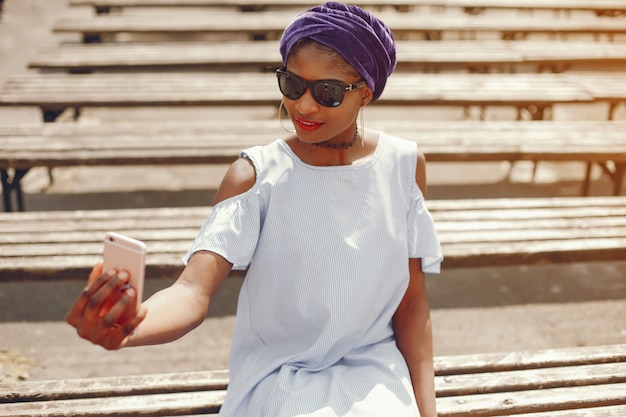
315,123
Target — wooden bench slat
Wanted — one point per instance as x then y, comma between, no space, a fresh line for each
71,90
535,231
464,384
610,411
584,381
563,361
29,265
529,359
461,143
450,230
141,405
189,395
275,21
610,5
455,234
411,54
525,380
115,386
544,400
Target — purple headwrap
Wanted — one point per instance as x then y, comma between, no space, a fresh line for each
363,40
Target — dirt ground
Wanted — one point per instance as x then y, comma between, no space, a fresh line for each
474,310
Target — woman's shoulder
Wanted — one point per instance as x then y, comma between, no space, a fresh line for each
240,177
253,162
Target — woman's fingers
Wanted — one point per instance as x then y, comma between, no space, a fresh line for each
111,333
84,299
123,307
102,299
105,312
96,271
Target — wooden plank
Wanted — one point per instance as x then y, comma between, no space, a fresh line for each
579,381
117,386
585,365
425,55
596,5
140,405
496,235
457,385
542,400
55,145
533,379
273,23
610,411
480,405
222,89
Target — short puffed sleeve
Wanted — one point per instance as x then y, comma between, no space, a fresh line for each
422,237
231,230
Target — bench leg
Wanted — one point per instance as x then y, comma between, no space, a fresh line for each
101,10
535,112
11,187
618,177
612,108
52,115
616,174
587,181
92,38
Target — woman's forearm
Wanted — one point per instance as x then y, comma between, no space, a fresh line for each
171,313
414,340
180,308
414,336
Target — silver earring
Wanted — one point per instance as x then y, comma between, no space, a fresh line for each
281,108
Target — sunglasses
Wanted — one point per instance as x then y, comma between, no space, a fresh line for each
325,92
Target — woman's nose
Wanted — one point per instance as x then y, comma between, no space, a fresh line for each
307,104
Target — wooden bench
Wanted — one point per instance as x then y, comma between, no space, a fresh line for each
601,7
64,245
23,147
532,93
427,56
269,25
572,382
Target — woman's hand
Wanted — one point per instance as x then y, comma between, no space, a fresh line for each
97,312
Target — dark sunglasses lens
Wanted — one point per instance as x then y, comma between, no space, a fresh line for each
328,94
291,86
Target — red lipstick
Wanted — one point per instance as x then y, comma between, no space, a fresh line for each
307,124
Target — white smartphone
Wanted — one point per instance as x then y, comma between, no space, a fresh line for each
126,254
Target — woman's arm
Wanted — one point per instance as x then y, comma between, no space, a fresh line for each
413,327
413,331
170,313
180,308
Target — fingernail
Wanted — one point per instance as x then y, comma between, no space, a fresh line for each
111,272
123,275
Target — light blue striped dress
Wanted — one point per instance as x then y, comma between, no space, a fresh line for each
327,249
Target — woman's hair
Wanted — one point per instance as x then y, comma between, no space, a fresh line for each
363,40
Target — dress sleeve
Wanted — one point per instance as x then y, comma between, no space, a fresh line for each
231,230
422,237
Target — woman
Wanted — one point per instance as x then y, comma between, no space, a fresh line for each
332,318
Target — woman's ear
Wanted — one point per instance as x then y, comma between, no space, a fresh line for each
366,96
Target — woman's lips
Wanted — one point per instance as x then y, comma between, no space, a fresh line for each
306,124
